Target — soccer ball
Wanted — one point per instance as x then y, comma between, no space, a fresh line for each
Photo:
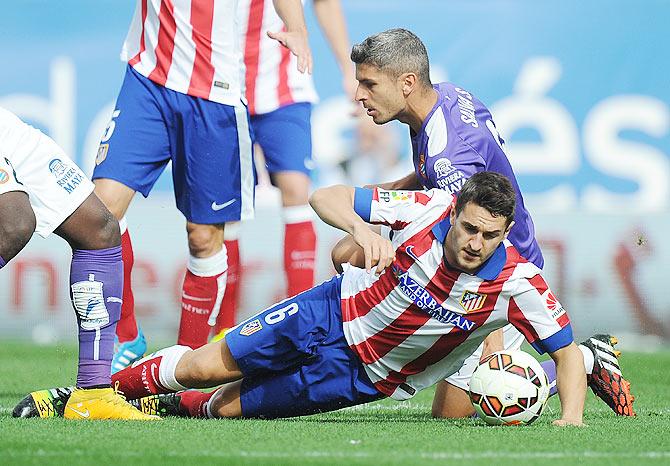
508,388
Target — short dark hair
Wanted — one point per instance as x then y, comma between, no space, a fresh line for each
395,51
489,190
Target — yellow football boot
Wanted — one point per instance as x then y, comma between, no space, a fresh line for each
219,336
43,403
102,403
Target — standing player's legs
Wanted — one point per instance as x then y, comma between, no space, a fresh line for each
213,173
228,313
133,152
96,282
204,283
299,232
130,343
285,136
62,201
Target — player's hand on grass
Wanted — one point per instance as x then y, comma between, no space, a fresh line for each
378,251
296,42
569,422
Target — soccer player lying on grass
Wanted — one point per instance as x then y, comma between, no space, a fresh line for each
453,135
43,191
369,334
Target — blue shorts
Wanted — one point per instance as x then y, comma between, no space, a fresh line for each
208,143
285,135
295,359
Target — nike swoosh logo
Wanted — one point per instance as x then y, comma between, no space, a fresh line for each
216,207
410,253
153,375
81,413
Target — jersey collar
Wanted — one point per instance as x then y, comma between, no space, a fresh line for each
440,101
491,268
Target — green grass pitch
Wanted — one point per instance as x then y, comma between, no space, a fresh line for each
382,433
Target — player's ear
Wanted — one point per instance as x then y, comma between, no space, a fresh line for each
452,212
509,228
409,82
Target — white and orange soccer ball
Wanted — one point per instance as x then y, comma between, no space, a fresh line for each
508,388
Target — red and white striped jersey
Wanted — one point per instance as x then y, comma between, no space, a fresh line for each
272,77
416,323
189,46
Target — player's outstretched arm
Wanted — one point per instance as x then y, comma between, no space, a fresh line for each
334,205
571,380
331,20
295,36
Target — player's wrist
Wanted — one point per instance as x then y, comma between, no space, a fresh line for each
357,227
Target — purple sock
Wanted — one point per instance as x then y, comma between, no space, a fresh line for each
96,287
2,262
549,367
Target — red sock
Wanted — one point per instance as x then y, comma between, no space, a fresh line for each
192,403
299,256
152,375
138,381
126,328
202,292
228,313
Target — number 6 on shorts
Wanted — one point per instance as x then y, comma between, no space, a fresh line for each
280,314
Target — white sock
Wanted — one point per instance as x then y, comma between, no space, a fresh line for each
123,224
232,231
589,359
209,266
208,406
166,371
297,214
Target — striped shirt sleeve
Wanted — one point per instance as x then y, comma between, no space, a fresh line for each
535,312
394,208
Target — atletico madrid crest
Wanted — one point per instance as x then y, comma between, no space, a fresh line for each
251,327
471,301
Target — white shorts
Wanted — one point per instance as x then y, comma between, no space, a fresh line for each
512,340
33,163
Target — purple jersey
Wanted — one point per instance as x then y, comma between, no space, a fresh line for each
458,139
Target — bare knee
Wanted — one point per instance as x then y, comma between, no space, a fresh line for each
204,240
294,187
226,401
451,402
200,373
115,195
17,224
20,228
91,226
208,366
336,257
108,234
347,251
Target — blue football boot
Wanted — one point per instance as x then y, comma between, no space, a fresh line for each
128,352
